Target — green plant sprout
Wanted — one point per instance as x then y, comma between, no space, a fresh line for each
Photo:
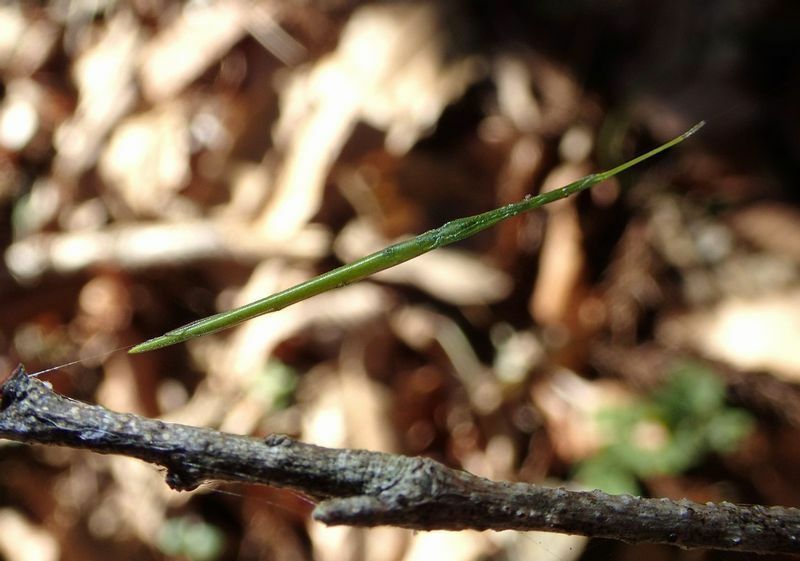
665,433
453,231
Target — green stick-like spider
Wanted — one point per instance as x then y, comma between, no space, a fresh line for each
390,256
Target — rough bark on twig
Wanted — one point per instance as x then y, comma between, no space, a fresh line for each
363,488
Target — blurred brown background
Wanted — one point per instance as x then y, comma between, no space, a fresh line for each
161,161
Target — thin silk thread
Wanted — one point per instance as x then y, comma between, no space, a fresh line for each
84,359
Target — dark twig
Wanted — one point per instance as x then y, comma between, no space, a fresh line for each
363,488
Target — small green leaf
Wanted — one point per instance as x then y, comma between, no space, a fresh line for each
686,420
191,538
